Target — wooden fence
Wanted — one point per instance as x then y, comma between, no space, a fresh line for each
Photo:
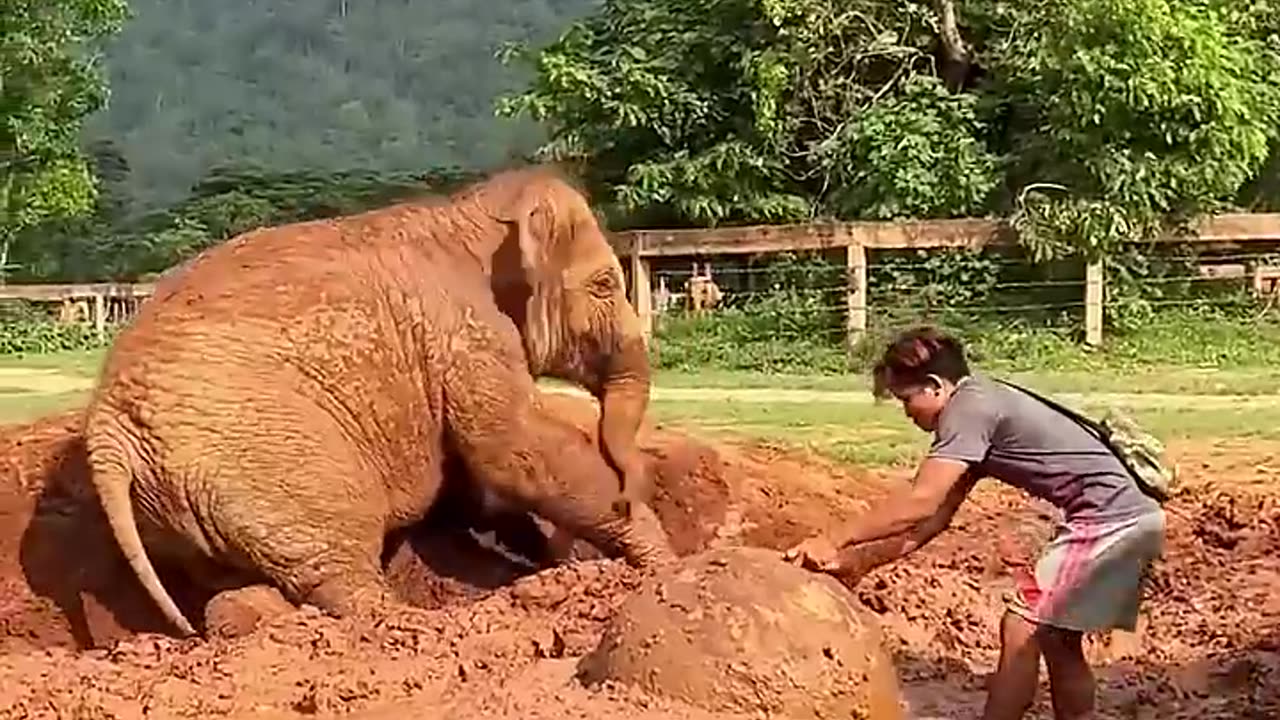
642,247
90,301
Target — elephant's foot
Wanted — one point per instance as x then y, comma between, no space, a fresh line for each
372,605
622,506
637,488
637,536
649,547
346,597
560,546
236,613
639,539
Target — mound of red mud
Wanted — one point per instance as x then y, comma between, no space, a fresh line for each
65,582
497,641
740,630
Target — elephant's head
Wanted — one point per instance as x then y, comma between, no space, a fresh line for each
555,274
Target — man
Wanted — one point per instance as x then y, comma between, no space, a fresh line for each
1088,577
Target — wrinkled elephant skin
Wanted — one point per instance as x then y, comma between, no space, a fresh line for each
288,397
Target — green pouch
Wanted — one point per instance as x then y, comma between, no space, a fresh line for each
1139,451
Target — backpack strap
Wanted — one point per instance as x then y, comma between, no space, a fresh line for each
1097,430
1082,420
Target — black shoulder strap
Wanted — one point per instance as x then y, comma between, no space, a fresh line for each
1098,431
1086,422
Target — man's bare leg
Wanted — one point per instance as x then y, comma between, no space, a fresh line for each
1071,680
1012,688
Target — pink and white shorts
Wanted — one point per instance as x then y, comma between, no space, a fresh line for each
1090,576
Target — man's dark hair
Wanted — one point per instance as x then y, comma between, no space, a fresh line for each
915,354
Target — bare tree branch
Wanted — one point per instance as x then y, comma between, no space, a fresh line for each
956,57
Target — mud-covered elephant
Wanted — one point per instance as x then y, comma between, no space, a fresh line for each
289,396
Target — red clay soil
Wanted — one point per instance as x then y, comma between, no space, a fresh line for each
735,629
79,639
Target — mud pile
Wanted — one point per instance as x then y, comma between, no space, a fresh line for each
496,640
739,630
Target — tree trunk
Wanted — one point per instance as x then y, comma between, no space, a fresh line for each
4,258
956,58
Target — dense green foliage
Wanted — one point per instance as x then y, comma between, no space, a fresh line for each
225,115
49,83
1139,110
1084,122
682,113
227,202
1132,111
26,329
753,115
316,85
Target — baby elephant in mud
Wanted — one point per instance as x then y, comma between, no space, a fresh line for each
287,398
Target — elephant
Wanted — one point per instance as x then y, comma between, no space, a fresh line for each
288,397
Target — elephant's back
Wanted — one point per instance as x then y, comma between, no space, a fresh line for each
297,316
275,294
265,273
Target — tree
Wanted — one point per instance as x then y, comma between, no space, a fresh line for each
1125,117
746,111
1088,122
50,81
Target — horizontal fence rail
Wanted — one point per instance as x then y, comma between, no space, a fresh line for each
91,302
643,247
101,303
46,292
906,235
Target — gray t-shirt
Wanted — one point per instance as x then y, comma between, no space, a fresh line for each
1013,437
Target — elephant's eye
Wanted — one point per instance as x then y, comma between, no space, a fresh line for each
604,285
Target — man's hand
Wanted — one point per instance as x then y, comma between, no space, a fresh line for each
816,553
895,528
847,565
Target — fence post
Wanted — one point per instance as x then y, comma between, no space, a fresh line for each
100,315
1093,287
856,294
641,291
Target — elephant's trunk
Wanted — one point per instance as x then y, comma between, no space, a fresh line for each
624,399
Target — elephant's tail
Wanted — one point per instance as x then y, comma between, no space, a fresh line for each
113,479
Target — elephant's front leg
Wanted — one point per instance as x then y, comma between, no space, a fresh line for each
539,463
575,489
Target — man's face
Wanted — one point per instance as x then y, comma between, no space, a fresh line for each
922,403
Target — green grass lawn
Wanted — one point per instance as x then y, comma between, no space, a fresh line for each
83,364
847,426
36,385
1159,380
880,435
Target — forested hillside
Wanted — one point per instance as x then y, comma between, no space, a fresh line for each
1085,125
316,84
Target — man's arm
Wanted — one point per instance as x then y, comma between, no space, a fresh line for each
855,561
928,505
870,542
909,518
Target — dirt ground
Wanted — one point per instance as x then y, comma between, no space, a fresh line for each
79,640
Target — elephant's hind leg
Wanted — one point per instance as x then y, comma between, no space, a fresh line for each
314,530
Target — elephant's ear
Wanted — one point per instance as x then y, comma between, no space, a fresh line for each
523,282
517,199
